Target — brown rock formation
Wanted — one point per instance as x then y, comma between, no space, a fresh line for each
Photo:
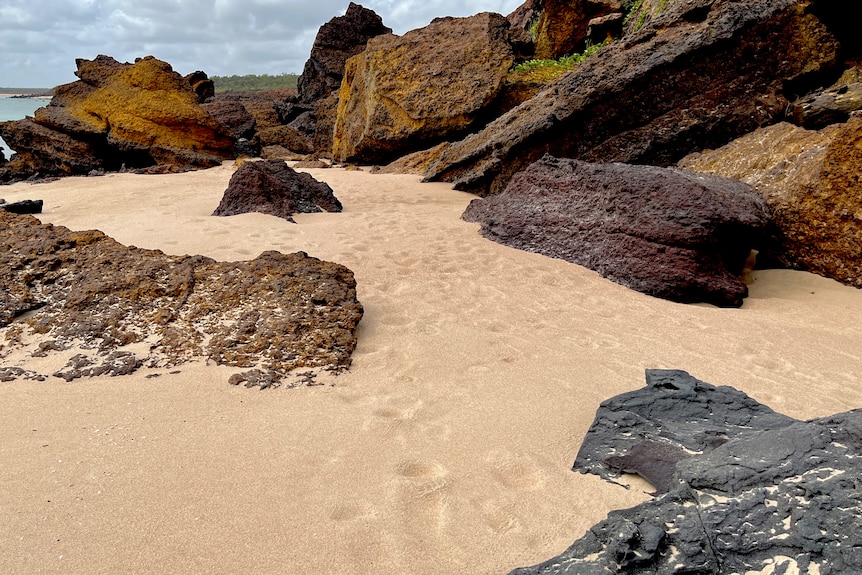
273,187
811,181
664,232
410,92
336,41
136,115
562,28
276,312
342,37
698,75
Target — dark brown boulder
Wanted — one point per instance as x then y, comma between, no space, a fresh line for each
118,114
406,93
232,114
202,85
336,41
698,75
318,85
665,232
278,312
273,187
287,137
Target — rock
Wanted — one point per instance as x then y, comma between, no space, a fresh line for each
829,106
23,207
336,41
280,153
411,92
415,163
287,137
273,187
277,312
134,115
759,492
204,87
810,179
318,86
665,232
526,15
232,114
698,75
562,28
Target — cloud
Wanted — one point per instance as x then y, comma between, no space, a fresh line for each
40,40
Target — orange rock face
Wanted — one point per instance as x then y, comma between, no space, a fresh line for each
137,115
811,181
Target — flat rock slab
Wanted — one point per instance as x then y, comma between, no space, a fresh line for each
756,492
665,232
272,187
112,309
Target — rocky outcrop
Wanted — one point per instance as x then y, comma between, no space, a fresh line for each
665,232
126,307
411,92
273,187
313,111
829,106
755,491
132,115
22,207
202,85
810,179
562,28
336,41
698,75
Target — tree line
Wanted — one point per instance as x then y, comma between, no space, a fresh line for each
252,82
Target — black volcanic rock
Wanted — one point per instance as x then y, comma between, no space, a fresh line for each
665,232
757,489
273,187
23,207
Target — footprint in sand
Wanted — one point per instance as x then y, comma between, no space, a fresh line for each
351,511
515,471
423,496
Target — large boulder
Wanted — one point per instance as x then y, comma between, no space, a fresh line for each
748,491
811,181
406,93
133,115
273,187
696,76
81,290
317,87
665,232
336,41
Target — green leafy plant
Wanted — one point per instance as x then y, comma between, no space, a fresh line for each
547,70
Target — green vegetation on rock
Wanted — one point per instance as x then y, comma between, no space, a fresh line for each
253,82
544,71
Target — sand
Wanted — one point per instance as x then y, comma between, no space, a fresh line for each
445,449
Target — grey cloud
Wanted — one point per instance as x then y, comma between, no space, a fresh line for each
39,40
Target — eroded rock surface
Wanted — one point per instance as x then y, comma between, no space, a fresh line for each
696,76
665,232
810,179
117,114
757,491
110,309
563,25
406,93
272,187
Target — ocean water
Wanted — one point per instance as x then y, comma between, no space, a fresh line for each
17,109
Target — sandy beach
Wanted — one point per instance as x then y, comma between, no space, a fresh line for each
446,448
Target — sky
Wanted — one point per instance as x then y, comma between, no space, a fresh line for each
40,39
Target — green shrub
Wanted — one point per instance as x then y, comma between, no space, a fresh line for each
547,70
